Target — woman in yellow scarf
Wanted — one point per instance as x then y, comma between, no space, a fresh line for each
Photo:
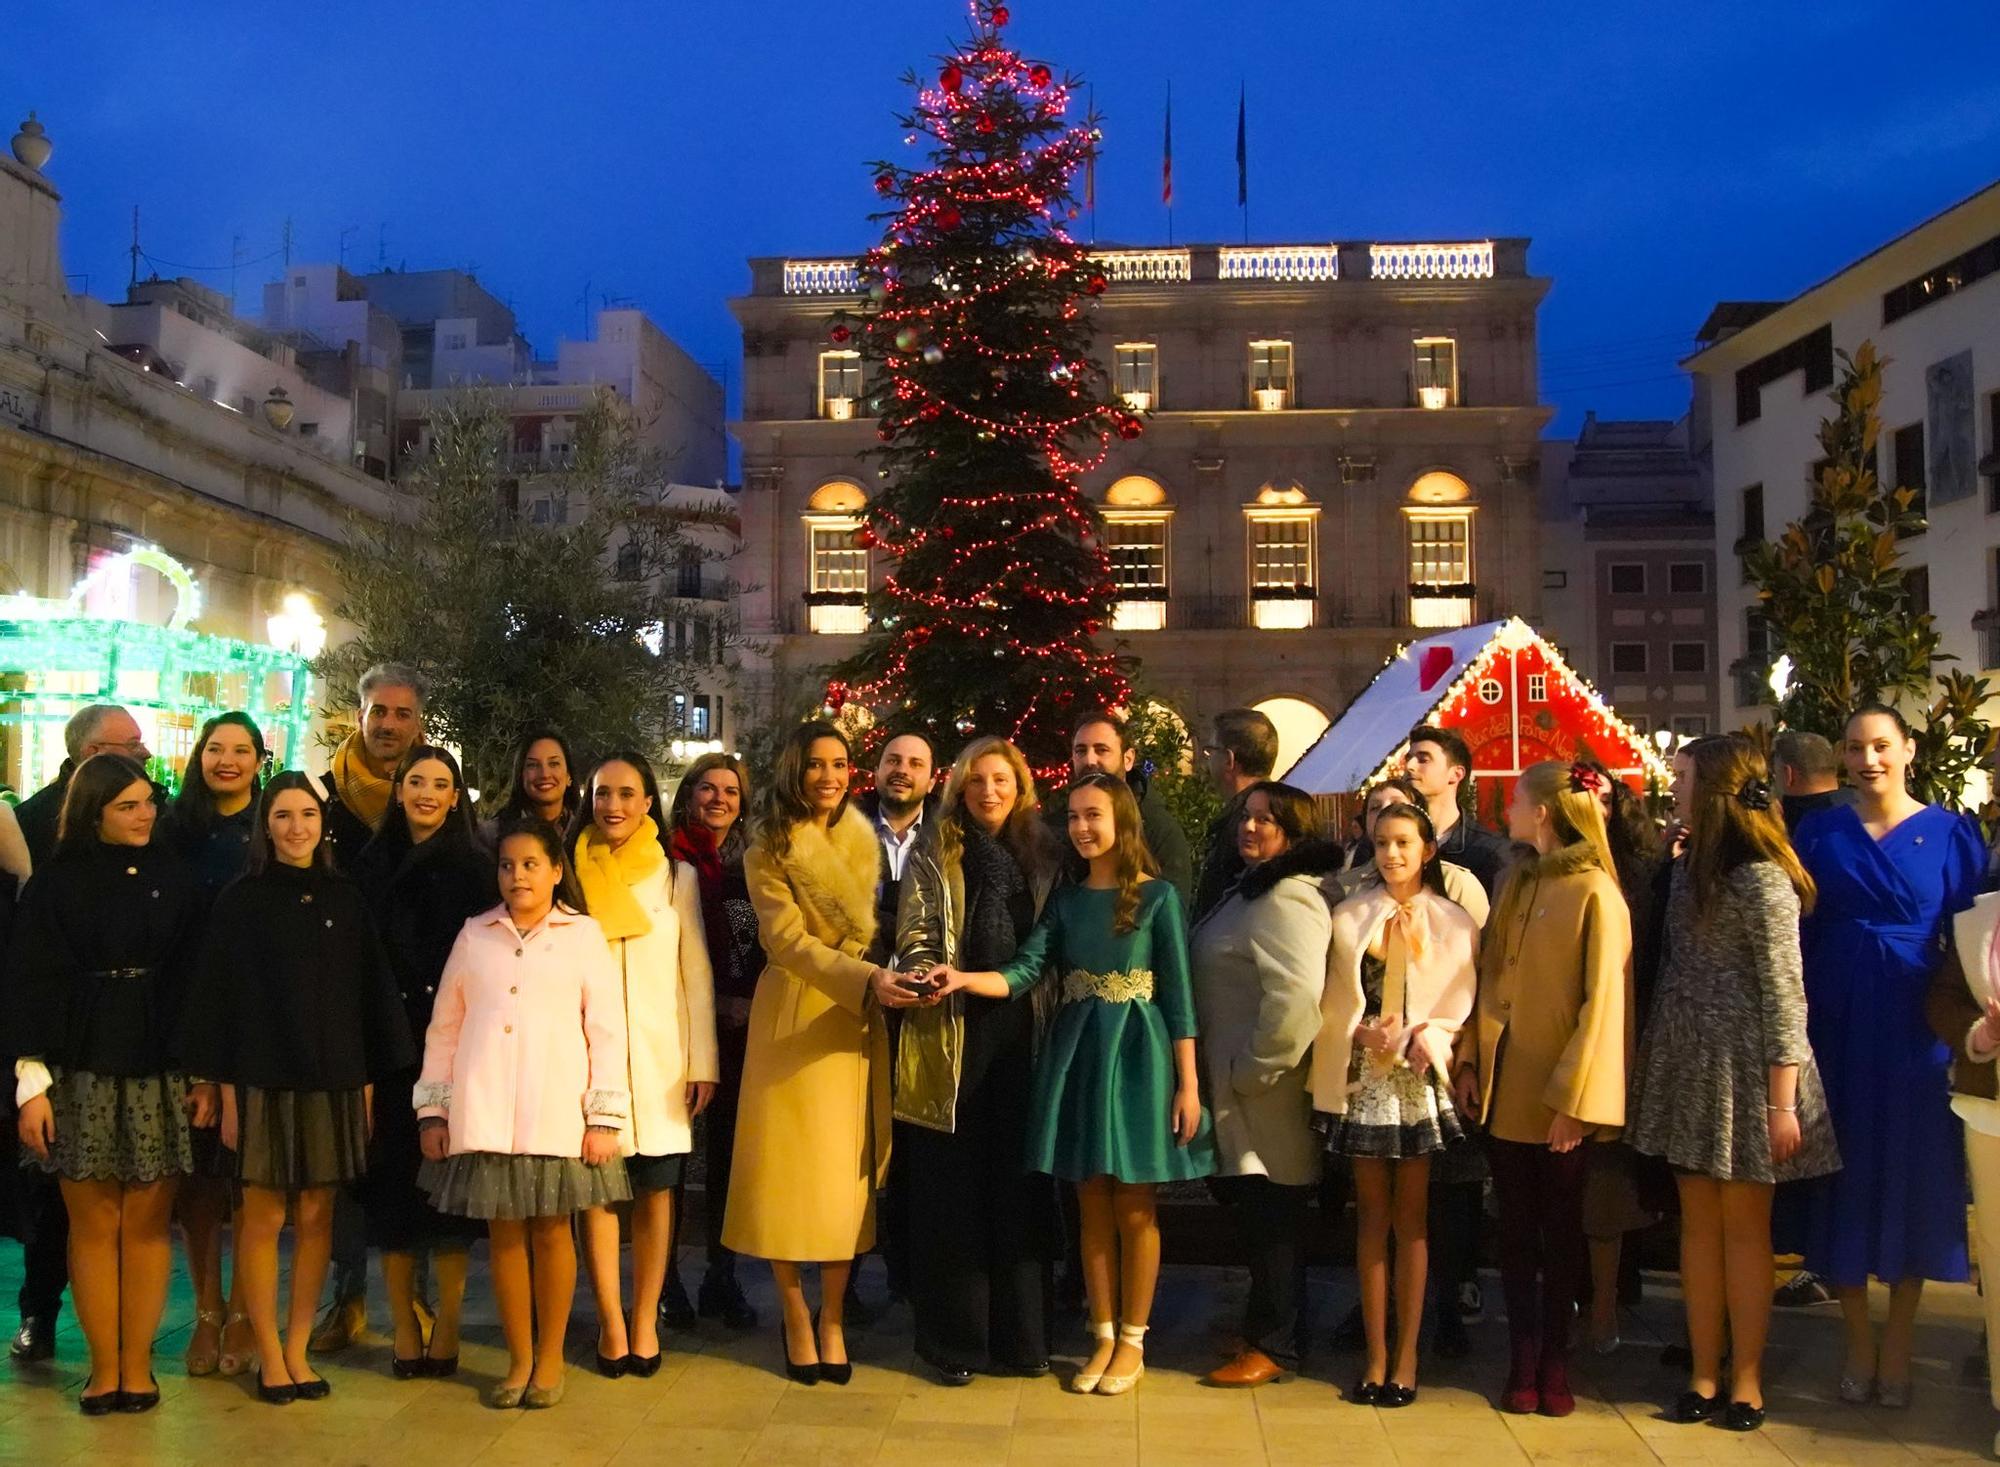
650,910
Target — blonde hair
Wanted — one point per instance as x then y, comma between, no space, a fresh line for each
1574,812
1024,834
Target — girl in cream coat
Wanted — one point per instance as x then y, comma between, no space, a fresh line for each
650,909
1400,983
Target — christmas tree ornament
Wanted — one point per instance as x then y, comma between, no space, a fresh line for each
840,335
1001,15
885,183
986,123
933,354
951,78
1096,284
1040,75
948,217
907,338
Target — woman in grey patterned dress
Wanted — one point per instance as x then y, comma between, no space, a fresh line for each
1725,1089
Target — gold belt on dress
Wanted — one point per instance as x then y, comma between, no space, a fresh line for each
1122,987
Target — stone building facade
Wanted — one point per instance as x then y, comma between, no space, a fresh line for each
1339,453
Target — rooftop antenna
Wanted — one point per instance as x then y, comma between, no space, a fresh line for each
135,248
382,246
288,242
351,229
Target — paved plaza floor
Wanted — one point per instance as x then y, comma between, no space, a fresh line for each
722,1399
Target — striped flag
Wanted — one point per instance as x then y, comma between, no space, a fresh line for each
1242,154
1167,167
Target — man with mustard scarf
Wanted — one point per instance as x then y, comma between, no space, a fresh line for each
390,700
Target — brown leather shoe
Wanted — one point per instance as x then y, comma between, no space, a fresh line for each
1251,1368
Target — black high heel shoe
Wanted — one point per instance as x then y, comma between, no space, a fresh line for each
839,1374
612,1366
644,1366
417,1369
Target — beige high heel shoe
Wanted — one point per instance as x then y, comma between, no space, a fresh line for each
1116,1385
204,1362
233,1362
1083,1382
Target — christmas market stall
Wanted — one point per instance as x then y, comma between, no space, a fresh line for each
59,654
1505,690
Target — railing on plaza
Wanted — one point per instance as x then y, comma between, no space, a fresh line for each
1191,265
1468,261
1280,262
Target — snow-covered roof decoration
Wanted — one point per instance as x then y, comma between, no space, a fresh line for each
1435,674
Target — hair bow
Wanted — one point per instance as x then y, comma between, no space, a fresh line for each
1585,780
1755,794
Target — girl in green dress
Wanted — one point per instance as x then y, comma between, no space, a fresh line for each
1117,1108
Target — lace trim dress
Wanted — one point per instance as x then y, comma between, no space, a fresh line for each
1393,1112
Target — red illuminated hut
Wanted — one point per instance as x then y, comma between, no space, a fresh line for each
1507,692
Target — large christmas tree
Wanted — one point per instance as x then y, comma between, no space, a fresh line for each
990,409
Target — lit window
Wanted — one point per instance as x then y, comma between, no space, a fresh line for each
1135,542
1270,374
839,383
1284,578
1435,371
1538,687
837,574
1135,373
1441,586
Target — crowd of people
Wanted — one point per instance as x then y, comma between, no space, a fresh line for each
977,1030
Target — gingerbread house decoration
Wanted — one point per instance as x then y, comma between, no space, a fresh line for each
1507,692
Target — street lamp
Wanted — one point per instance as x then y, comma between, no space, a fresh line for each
278,409
1781,677
1663,740
297,627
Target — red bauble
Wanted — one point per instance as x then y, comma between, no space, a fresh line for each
986,122
951,78
885,433
1040,75
1129,427
948,217
930,412
1001,15
838,335
1096,284
865,538
884,183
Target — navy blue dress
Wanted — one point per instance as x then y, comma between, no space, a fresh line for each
1896,1209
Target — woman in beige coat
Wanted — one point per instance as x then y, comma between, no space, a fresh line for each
1544,1063
650,909
1259,961
812,1126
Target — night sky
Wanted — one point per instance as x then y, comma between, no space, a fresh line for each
1661,157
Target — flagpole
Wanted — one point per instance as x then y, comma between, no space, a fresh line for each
1243,159
1090,175
1167,169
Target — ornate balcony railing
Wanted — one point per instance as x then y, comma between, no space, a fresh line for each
1280,262
822,277
1472,260
1144,267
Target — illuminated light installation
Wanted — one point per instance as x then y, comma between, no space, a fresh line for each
1507,692
59,654
991,411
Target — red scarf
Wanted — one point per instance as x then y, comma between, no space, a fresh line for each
696,846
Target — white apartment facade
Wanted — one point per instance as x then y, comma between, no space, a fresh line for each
1930,302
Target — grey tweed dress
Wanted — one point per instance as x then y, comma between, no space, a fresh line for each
1730,1004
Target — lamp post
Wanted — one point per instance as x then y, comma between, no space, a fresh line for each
278,409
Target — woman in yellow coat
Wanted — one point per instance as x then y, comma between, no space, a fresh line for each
812,1126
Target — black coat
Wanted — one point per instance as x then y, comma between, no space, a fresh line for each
347,834
1479,850
293,990
420,897
215,854
98,961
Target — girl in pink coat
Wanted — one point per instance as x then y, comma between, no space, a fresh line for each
524,1095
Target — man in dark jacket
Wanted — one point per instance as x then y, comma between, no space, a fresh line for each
1243,752
390,709
1437,763
100,728
897,807
1806,770
1097,745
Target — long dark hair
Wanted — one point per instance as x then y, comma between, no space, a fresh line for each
395,826
97,781
517,802
262,856
568,893
1636,846
681,815
1135,859
1734,818
194,803
1432,875
584,815
784,802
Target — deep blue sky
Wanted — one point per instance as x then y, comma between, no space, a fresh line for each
1661,157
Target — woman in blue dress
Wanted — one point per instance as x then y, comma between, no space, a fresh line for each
1891,871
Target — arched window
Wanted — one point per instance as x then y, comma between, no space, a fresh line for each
836,561
1282,533
1137,520
1299,724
